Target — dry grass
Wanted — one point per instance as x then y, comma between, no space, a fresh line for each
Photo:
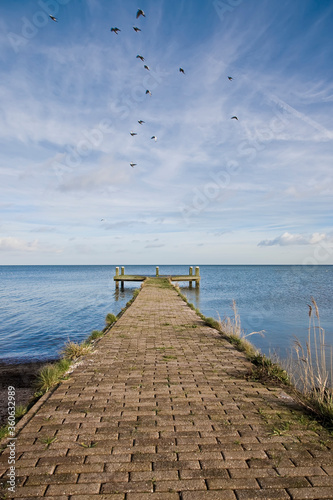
72,350
312,368
232,329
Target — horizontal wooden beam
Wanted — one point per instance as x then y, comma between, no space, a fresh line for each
125,277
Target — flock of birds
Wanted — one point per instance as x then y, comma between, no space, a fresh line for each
116,30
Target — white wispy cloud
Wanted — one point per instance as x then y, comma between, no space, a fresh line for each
294,239
9,244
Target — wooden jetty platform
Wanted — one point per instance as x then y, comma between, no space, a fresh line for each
164,409
190,277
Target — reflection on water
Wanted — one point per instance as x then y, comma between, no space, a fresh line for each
123,295
192,294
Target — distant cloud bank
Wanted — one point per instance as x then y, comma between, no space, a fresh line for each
294,239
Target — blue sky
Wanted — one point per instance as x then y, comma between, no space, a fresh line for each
211,189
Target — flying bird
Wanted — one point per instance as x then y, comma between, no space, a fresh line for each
181,71
234,118
136,29
230,78
102,220
146,67
133,133
140,13
53,18
154,137
132,164
148,92
115,30
140,57
141,122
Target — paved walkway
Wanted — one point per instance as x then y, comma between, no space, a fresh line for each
161,410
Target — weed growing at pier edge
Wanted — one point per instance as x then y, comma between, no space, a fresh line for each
231,327
48,377
72,350
4,431
95,334
20,410
311,376
265,368
110,319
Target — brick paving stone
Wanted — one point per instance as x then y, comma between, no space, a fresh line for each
205,474
155,475
284,482
321,480
181,485
65,478
29,491
104,477
152,496
232,484
164,411
115,496
72,489
311,493
252,473
132,486
268,494
209,495
78,468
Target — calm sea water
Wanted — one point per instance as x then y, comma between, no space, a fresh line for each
41,307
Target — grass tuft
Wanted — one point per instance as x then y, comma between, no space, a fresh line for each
213,323
20,411
265,368
73,350
95,334
110,319
4,431
48,377
48,440
63,365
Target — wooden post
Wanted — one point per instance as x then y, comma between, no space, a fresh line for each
197,273
157,271
190,272
122,274
117,274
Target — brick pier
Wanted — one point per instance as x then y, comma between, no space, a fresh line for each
162,409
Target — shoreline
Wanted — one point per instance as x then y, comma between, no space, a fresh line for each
22,376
